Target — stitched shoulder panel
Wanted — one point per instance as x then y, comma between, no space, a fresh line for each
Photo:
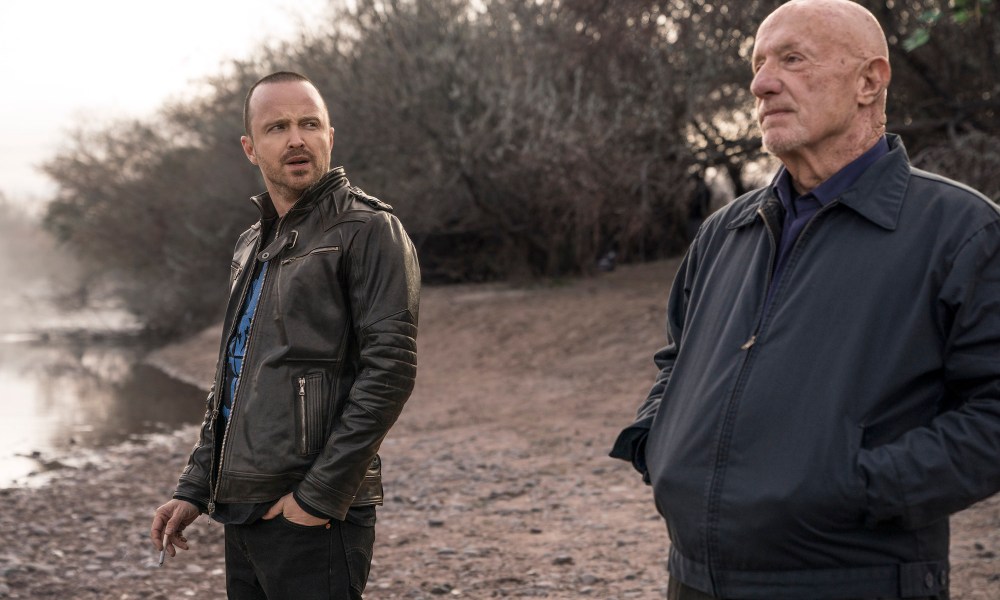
370,200
958,188
249,236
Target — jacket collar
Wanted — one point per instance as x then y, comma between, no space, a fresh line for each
334,182
877,195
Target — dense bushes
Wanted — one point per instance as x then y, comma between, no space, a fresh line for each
514,137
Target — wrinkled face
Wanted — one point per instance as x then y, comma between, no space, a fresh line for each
291,137
805,81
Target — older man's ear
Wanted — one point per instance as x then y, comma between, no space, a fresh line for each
873,80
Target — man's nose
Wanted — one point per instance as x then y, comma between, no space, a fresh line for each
764,82
295,138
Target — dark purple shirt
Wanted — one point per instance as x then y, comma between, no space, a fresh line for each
800,209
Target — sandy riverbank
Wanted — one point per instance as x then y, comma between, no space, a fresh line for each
497,479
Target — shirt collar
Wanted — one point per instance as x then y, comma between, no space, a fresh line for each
835,185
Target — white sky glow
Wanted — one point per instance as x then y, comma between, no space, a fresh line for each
66,62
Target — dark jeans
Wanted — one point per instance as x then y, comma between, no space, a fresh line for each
279,560
678,591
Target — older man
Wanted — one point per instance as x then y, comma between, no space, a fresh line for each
830,393
318,357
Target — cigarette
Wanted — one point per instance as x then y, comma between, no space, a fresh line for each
163,552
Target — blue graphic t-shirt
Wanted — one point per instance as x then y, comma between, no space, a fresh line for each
237,347
236,514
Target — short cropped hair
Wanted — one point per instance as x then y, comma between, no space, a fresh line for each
276,77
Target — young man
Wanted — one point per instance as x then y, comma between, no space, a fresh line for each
318,357
831,390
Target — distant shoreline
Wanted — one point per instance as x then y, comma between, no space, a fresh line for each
192,359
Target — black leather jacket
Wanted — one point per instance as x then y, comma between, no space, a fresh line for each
330,360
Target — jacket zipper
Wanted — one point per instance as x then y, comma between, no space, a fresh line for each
721,450
729,417
770,276
246,355
302,413
770,271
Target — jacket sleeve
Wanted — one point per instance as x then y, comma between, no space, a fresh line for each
631,442
933,471
384,290
193,484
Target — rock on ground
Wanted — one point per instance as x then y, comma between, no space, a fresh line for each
497,478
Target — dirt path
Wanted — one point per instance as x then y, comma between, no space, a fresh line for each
497,477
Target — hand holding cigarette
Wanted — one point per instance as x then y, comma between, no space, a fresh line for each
169,522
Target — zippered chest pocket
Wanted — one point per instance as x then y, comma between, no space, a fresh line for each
311,412
313,252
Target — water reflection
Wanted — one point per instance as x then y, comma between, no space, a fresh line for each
55,399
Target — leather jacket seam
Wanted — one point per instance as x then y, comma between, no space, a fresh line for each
378,418
386,318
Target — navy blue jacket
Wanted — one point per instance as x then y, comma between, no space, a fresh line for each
815,450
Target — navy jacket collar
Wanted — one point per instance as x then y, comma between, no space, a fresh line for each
889,176
829,190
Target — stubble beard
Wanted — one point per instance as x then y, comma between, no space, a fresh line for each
778,143
291,185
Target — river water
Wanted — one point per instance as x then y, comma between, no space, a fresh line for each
60,401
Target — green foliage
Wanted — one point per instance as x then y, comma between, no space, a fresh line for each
918,38
960,12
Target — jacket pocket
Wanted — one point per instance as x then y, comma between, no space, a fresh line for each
311,412
313,252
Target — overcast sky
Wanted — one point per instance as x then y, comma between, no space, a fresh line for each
66,62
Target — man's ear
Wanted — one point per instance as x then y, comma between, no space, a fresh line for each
873,80
331,138
248,149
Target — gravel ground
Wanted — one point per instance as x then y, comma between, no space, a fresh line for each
497,478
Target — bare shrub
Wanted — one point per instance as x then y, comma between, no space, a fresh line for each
514,137
973,159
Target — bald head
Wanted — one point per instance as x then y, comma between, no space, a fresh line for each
848,24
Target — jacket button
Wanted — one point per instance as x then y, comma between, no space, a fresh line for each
929,580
